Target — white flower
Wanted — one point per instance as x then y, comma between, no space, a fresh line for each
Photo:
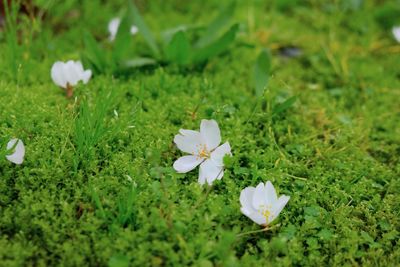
68,74
396,33
18,153
204,150
113,26
261,204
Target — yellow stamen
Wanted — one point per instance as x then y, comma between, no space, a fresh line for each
266,214
265,211
203,152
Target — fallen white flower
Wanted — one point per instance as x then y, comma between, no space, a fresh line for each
396,33
261,204
204,150
18,153
67,75
113,26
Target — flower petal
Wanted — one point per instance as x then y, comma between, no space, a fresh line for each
17,156
278,207
134,30
257,218
209,172
246,200
186,163
259,199
188,141
67,72
71,73
218,154
270,194
113,26
396,33
211,134
86,76
56,74
78,66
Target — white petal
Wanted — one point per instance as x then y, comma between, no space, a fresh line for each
86,76
396,33
186,163
67,71
188,132
270,194
218,154
211,134
17,156
259,200
134,30
209,172
113,26
81,74
188,141
257,218
78,66
56,74
277,208
75,72
246,200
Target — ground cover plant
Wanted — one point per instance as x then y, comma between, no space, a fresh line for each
306,94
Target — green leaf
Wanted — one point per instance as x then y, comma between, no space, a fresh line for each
216,47
123,40
169,33
217,25
178,49
279,108
262,72
93,53
138,21
139,62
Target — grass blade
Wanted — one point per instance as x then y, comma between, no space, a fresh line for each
262,72
138,21
97,202
123,40
139,62
216,47
178,49
279,108
13,49
216,26
93,54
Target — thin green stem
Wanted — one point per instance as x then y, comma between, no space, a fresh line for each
265,229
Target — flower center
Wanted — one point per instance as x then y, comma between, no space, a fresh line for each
265,211
203,152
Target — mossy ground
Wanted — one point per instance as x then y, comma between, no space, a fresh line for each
336,151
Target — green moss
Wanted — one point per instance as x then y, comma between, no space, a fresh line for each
335,151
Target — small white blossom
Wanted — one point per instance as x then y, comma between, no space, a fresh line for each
113,26
69,73
261,204
205,151
396,33
18,153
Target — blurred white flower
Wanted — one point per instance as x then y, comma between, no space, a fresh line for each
68,74
113,26
261,204
396,33
18,152
204,150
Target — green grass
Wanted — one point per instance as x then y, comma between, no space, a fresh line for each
105,193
